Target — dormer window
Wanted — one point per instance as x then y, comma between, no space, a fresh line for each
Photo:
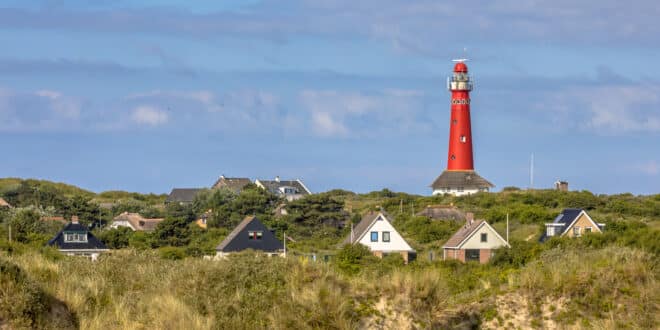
75,237
288,190
255,235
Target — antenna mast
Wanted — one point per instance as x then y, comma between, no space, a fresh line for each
531,173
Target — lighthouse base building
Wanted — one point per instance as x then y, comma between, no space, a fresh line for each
459,183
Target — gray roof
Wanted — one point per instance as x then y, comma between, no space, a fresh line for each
458,179
234,184
363,226
275,185
182,195
443,212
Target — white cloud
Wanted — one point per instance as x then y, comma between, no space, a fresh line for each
325,125
614,109
651,168
149,115
350,113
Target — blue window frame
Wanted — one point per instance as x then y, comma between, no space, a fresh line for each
374,236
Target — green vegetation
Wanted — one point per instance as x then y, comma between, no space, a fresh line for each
159,280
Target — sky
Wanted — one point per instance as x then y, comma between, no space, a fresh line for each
150,95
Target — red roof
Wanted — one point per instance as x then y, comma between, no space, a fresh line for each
460,67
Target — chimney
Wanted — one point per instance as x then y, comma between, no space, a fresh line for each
469,218
74,219
277,178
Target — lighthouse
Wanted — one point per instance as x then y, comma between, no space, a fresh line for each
460,178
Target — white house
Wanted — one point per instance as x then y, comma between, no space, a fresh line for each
289,189
377,233
475,241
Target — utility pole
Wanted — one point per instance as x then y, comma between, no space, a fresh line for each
284,244
507,229
9,233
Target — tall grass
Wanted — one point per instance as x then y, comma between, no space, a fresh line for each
611,288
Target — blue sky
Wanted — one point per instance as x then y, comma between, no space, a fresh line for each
149,95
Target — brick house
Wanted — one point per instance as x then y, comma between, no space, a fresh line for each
475,241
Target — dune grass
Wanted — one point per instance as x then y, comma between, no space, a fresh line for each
131,289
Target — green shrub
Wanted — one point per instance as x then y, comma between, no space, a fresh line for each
172,253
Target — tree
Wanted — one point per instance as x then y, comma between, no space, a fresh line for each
26,223
173,231
116,238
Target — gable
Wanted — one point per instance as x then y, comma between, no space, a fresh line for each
493,239
241,239
379,225
582,220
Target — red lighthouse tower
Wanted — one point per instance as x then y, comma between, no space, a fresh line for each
460,177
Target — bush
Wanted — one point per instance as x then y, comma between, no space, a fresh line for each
172,253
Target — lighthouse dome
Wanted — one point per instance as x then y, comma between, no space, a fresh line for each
460,67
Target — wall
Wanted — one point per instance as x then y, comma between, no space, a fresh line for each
583,222
474,242
397,243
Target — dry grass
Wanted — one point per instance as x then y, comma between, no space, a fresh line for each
139,290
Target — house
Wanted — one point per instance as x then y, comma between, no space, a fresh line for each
442,212
475,241
4,203
377,233
571,223
182,195
76,240
202,221
460,183
250,234
289,189
233,184
135,221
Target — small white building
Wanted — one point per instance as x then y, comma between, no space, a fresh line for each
377,233
460,183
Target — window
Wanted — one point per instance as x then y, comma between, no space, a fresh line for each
374,236
471,255
576,231
454,121
587,230
463,139
386,236
484,237
453,157
550,231
460,189
255,235
75,237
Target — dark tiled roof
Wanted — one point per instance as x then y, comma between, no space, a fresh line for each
465,179
275,185
238,239
92,242
363,226
182,195
463,233
234,184
442,212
